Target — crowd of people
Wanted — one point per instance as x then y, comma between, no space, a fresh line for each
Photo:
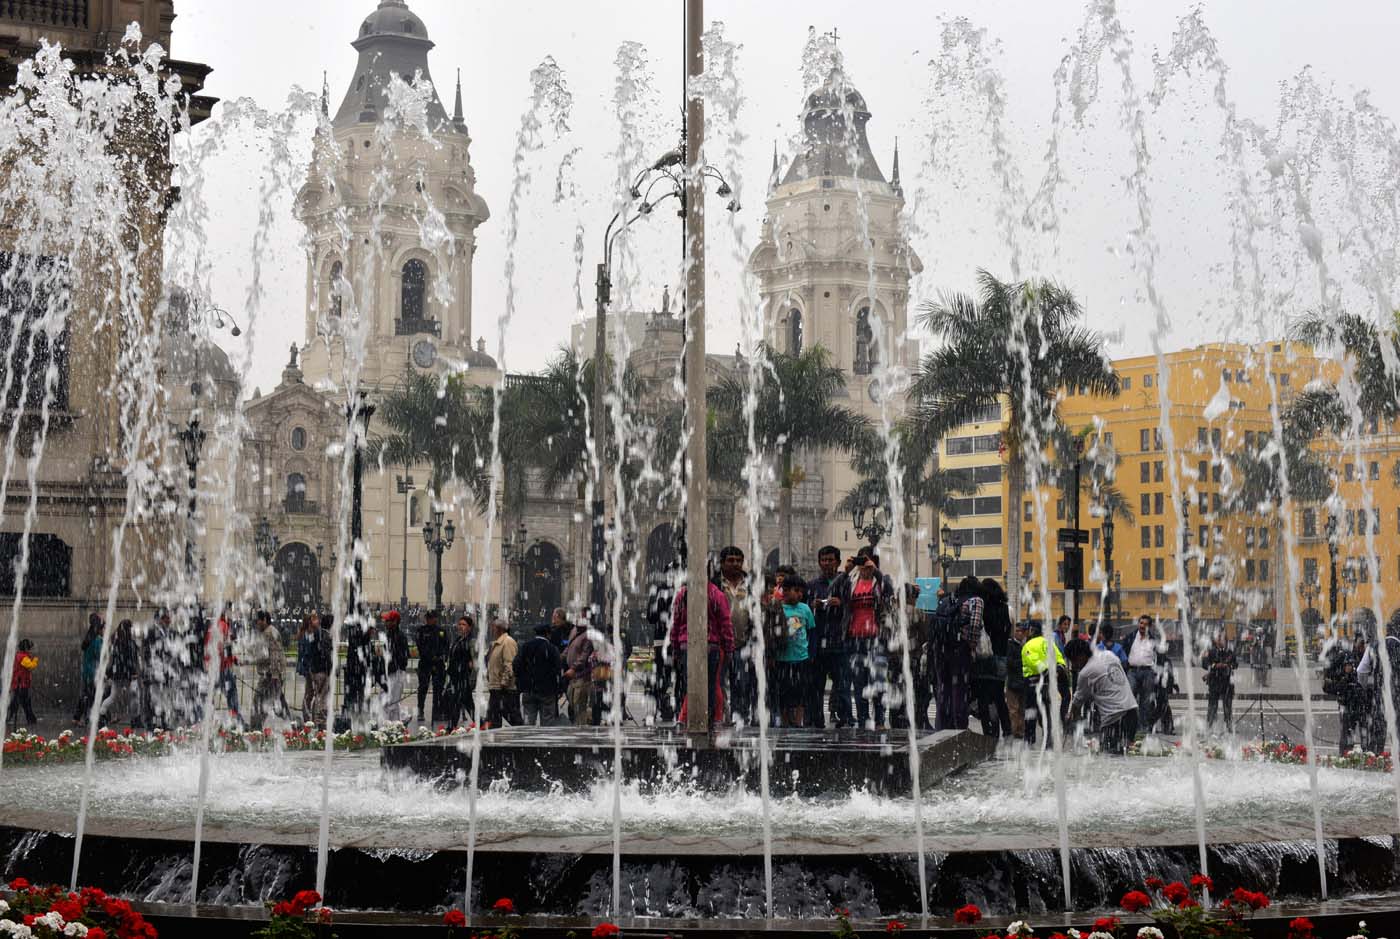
797,652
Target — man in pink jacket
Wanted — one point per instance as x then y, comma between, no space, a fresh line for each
718,648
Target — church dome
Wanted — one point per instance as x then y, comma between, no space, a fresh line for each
393,18
833,131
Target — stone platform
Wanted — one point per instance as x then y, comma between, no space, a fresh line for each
804,761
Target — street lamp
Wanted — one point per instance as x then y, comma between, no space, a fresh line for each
1107,527
513,553
320,568
670,173
357,415
264,540
1350,577
872,520
1332,564
191,443
941,557
438,537
405,487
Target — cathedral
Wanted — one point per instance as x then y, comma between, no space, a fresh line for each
833,268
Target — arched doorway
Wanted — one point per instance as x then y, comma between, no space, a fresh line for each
661,549
299,575
542,586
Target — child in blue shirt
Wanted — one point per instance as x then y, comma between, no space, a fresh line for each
798,625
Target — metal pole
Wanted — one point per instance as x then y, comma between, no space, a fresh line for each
697,522
596,597
1074,623
407,489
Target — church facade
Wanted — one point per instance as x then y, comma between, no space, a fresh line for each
391,227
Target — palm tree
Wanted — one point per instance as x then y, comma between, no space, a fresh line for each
1015,342
440,422
795,411
921,483
1367,347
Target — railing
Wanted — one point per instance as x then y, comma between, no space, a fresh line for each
72,14
413,327
301,507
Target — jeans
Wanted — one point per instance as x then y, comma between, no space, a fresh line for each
1120,733
539,708
868,680
1036,698
580,701
313,702
660,680
1219,695
828,664
953,687
743,686
502,705
991,706
713,657
19,698
1143,680
431,673
228,681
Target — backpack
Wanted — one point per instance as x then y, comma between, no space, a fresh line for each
943,625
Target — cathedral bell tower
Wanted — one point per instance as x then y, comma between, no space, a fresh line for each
834,266
399,254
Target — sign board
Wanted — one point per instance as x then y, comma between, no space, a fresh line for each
1070,537
1074,568
928,593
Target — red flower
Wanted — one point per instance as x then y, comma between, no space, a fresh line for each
1175,891
603,930
1135,900
1107,924
1187,904
70,910
283,908
454,918
1153,883
504,905
967,915
895,926
1201,880
305,900
1058,935
324,915
1249,898
96,932
19,883
1300,928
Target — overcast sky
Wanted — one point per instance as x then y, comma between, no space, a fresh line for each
261,49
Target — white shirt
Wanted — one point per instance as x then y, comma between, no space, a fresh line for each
1143,652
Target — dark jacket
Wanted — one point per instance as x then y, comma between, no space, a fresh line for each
831,630
1015,677
314,653
433,644
396,646
884,600
1220,665
538,667
461,665
126,658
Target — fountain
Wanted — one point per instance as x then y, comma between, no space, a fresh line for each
657,823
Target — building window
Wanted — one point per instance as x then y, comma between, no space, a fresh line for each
1215,502
1374,470
1215,471
1147,381
1249,441
961,446
296,492
1284,378
1203,537
413,293
1203,471
1146,531
1202,438
794,332
333,290
979,536
1128,383
1059,510
987,567
1249,539
1249,570
50,565
1028,515
1159,536
1375,521
1263,539
1159,568
1026,571
1146,568
1264,569
298,438
1157,471
982,505
1156,439
1349,471
1225,374
1157,503
1215,438
1310,522
1203,502
1309,570
1144,472
866,354
1146,504
1028,542
1144,439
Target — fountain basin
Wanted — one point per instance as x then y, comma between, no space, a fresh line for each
804,761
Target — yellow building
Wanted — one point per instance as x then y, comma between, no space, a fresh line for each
976,521
1175,480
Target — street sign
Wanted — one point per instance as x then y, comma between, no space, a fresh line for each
1073,568
1070,537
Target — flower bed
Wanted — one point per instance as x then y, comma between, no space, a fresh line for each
51,911
24,748
1276,751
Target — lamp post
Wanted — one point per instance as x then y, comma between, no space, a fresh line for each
1332,566
938,555
191,443
358,415
437,538
1350,577
666,172
872,520
513,552
1107,528
1309,591
405,487
320,567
